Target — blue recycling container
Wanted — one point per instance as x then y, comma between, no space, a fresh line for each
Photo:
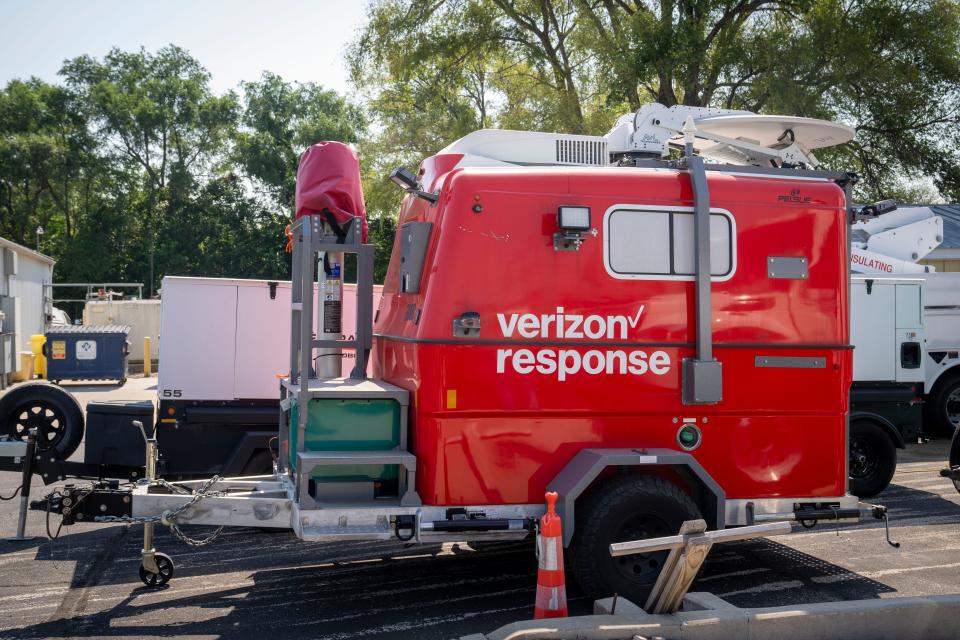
82,352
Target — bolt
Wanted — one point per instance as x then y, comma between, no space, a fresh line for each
67,502
103,507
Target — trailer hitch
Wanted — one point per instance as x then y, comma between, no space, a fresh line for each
809,516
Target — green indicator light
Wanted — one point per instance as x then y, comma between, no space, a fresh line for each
688,437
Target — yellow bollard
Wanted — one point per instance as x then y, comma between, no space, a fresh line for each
26,368
40,360
147,363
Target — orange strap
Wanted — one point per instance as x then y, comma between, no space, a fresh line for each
289,234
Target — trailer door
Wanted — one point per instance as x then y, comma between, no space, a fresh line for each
263,340
197,333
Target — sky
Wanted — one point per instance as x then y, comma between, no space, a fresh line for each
235,40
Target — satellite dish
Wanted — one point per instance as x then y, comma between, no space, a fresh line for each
770,131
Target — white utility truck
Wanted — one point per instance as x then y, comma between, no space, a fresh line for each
889,246
886,330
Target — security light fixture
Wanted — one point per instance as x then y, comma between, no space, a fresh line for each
573,221
408,182
573,218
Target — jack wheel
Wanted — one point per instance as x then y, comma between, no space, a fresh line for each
157,580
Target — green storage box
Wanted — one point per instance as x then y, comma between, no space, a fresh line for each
339,424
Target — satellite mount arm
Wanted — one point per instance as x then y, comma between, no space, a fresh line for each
737,137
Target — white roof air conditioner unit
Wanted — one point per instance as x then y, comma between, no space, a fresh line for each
499,147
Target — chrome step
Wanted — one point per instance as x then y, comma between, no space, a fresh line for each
327,533
308,460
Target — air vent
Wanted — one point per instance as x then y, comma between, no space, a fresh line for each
579,151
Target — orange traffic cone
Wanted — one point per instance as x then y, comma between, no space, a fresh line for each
551,584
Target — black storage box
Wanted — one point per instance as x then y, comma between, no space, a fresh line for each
111,437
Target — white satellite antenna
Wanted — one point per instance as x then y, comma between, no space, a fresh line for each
738,137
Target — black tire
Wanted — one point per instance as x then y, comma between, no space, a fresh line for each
259,464
941,414
620,509
55,413
873,458
157,580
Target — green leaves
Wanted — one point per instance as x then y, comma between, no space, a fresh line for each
282,119
890,68
136,169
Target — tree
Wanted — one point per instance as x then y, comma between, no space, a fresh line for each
155,114
45,152
136,169
280,121
891,68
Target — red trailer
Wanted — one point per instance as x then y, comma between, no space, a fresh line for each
656,340
528,364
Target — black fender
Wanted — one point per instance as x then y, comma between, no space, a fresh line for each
579,474
886,425
251,442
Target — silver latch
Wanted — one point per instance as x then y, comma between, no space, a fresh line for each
467,325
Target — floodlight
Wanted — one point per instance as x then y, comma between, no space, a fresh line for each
570,218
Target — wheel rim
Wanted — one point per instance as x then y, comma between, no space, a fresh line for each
47,419
863,458
642,568
953,407
164,572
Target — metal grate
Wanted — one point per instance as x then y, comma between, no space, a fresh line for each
88,328
579,151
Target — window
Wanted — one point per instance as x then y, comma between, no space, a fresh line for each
656,243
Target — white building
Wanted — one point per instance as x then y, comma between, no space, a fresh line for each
23,274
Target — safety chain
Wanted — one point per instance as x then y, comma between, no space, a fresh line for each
168,517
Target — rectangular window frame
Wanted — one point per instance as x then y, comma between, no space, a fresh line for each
640,208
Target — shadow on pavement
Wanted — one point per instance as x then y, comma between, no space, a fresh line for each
251,582
331,591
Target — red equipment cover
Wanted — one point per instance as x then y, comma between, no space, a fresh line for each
328,179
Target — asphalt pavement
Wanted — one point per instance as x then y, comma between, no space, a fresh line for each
252,583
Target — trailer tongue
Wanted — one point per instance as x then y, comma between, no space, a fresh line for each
658,341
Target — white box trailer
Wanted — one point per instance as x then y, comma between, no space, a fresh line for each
223,345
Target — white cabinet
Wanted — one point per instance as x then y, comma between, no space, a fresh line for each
885,315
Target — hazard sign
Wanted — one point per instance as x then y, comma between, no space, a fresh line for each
58,350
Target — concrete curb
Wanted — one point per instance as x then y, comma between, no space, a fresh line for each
707,617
